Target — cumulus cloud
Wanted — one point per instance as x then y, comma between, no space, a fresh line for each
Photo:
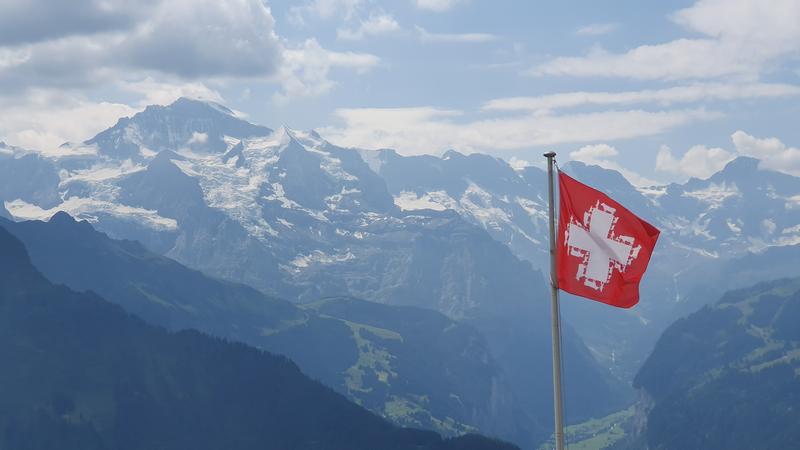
589,153
604,155
184,44
426,36
431,130
44,120
519,164
194,38
774,154
699,161
185,38
38,20
376,24
306,69
738,38
158,92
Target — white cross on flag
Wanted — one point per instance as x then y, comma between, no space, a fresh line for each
603,249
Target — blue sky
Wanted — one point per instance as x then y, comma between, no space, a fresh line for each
660,90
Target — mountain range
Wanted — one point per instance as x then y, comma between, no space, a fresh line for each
83,374
326,227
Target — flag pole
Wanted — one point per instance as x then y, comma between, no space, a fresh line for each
555,315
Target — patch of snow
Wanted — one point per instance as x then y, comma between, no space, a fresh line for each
333,200
230,142
533,208
734,226
768,225
101,172
435,200
715,194
793,202
788,240
699,226
699,251
653,192
791,230
220,108
320,257
478,204
682,226
279,195
88,209
373,159
198,138
233,190
330,164
147,153
525,235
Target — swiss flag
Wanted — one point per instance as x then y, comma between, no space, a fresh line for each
602,248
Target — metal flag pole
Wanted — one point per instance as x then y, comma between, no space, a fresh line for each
555,315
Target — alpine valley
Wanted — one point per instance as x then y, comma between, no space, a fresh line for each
412,285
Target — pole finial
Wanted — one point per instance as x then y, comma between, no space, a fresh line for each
550,155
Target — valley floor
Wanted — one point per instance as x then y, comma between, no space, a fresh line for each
595,434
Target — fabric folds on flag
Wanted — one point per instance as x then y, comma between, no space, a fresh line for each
602,248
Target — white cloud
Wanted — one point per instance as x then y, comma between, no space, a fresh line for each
603,155
185,38
306,69
44,120
437,5
195,38
426,36
37,20
166,53
163,92
431,130
589,153
518,164
774,154
739,38
596,29
668,96
376,24
700,161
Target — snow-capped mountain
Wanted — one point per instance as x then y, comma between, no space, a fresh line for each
295,216
484,190
740,208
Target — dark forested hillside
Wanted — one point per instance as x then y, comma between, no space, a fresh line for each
413,372
79,373
728,376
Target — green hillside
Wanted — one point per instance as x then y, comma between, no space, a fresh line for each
728,376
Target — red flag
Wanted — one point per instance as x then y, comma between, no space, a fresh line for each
603,249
